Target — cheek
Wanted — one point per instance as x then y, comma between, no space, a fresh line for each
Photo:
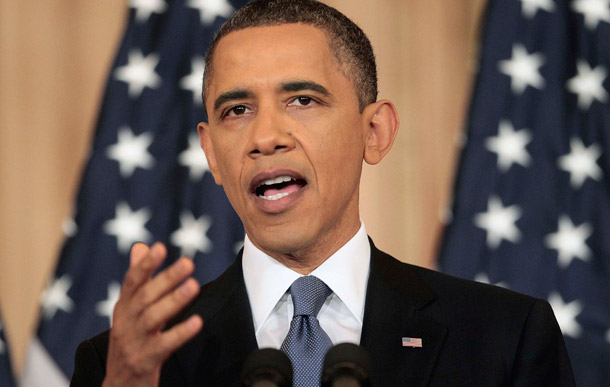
228,161
229,171
340,157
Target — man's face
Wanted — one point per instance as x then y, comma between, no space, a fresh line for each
285,138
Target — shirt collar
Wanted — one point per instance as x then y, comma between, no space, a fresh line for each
345,272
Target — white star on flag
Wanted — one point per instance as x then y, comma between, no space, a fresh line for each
594,11
192,82
510,144
588,84
139,72
484,279
106,308
55,297
523,69
194,159
190,237
128,226
69,227
499,222
131,152
445,214
209,10
581,162
144,8
530,7
566,314
237,246
569,241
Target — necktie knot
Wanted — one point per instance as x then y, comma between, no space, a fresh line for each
308,295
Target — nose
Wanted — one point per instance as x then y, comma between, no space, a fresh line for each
270,133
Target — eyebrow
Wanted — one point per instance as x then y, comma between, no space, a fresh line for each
304,85
230,96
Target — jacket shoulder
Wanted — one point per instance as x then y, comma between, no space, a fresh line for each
450,290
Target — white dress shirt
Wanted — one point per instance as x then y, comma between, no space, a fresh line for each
345,273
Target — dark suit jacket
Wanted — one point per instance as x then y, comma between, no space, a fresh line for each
472,334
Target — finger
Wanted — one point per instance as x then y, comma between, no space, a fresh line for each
157,314
146,265
165,282
138,251
175,337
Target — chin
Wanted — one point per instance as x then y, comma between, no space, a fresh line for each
285,243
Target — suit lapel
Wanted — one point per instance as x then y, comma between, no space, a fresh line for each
216,355
394,307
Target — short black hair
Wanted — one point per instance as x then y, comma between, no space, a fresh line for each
348,42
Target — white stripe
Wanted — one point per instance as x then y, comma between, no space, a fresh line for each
40,369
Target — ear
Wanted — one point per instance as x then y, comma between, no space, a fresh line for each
206,144
381,125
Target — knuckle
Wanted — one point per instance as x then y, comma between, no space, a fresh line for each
164,278
129,281
119,334
136,364
145,296
149,263
167,279
174,273
149,320
145,263
184,293
178,296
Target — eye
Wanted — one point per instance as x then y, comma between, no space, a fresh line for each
237,111
302,101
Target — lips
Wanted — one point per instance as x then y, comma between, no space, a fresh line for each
275,185
281,186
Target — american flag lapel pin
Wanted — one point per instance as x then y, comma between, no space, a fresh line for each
413,342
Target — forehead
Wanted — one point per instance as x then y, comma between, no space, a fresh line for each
271,54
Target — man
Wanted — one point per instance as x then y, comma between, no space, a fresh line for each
290,91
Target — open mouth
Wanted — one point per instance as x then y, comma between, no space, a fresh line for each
279,187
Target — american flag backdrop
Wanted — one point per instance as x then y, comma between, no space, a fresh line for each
6,371
531,210
146,180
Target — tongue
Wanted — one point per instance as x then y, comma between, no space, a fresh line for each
281,188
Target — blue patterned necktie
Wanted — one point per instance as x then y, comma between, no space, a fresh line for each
306,343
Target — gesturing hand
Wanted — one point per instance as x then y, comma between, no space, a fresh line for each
138,345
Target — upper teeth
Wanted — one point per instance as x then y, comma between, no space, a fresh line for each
277,180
